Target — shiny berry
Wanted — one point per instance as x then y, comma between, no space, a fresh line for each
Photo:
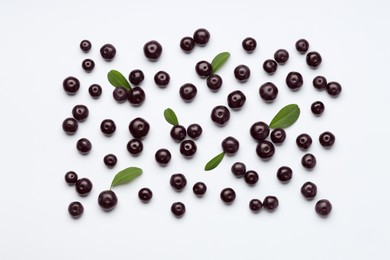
294,80
139,127
281,56
242,73
162,78
199,188
249,44
178,209
152,50
187,44
163,156
265,149
319,82
270,66
323,207
136,76
188,148
70,125
136,96
278,135
313,59
270,203
95,90
284,174
236,99
259,131
255,205
214,82
71,177
309,190
203,69
302,46
110,160
145,195
220,115
76,209
251,177
230,145
194,131
108,51
268,91
71,85
228,195
238,169
333,88
201,36
178,133
327,139
83,186
134,146
178,181
88,65
120,94
188,92
304,141
108,127
317,108
85,45
84,146
80,112
309,161
107,200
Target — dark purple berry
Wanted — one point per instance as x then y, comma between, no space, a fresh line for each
135,146
163,156
313,59
236,99
238,169
178,133
108,52
88,65
251,177
188,92
152,50
309,190
80,112
228,195
259,131
178,181
220,115
199,188
317,108
201,37
85,45
284,174
270,203
249,44
187,44
136,76
327,139
107,200
178,209
71,177
265,149
319,82
281,56
120,94
304,141
145,195
76,209
83,186
139,127
323,207
71,85
214,82
302,46
136,96
333,88
294,80
230,145
110,160
84,146
162,78
270,66
203,69
309,161
188,148
108,127
268,91
70,125
278,135
255,205
242,73
95,90
194,131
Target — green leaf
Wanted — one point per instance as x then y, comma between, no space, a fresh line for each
286,116
214,162
125,176
170,116
118,80
219,60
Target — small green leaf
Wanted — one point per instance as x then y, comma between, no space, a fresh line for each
286,116
118,80
214,162
170,116
125,176
219,60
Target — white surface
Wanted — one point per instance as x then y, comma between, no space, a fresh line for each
40,47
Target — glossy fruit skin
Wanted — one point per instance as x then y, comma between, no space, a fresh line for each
265,149
136,76
80,112
242,73
70,125
281,56
120,94
251,177
188,92
255,205
108,127
203,69
95,90
194,131
249,44
162,78
259,131
294,80
323,207
145,195
304,141
199,189
270,203
236,99
163,156
76,209
71,177
238,169
187,44
309,190
309,161
152,50
108,52
85,45
88,65
83,186
317,108
268,91
178,181
333,88
228,195
84,146
110,160
270,66
178,209
320,82
230,145
284,174
214,82
178,133
139,127
188,148
313,59
135,146
71,85
220,115
327,139
278,135
302,46
136,96
201,37
107,200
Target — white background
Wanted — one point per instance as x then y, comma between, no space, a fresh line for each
39,47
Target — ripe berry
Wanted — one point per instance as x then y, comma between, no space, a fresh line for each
70,125
120,94
259,131
270,66
71,85
136,96
108,52
249,44
281,56
188,92
203,69
238,169
268,91
270,203
83,186
220,115
162,78
228,195
242,73
88,65
302,46
188,148
214,82
187,44
284,174
255,205
230,145
278,135
80,112
309,190
71,177
178,181
199,188
108,127
194,131
236,99
327,139
294,80
319,82
135,146
178,209
178,133
152,50
84,146
76,209
317,108
110,160
201,37
309,161
139,127
85,45
163,156
107,200
136,76
313,59
323,207
251,177
95,90
304,141
333,88
265,149
145,195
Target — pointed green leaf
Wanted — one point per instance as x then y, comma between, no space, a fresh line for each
214,162
286,116
125,176
219,60
118,80
170,116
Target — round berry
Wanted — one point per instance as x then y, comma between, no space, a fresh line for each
268,91
194,131
319,82
230,145
259,131
249,44
134,146
309,190
236,99
199,188
255,205
265,149
71,177
139,127
304,141
323,207
83,186
152,50
327,139
238,169
71,85
163,156
95,90
313,59
88,65
242,73
108,51
107,200
309,161
317,108
108,127
251,177
110,160
85,45
214,82
220,115
145,195
270,203
187,44
76,209
228,195
80,112
162,78
178,209
178,181
188,148
294,80
302,46
333,88
278,135
188,92
203,69
136,76
284,174
120,94
70,125
84,146
270,66
201,37
136,96
178,133
281,56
